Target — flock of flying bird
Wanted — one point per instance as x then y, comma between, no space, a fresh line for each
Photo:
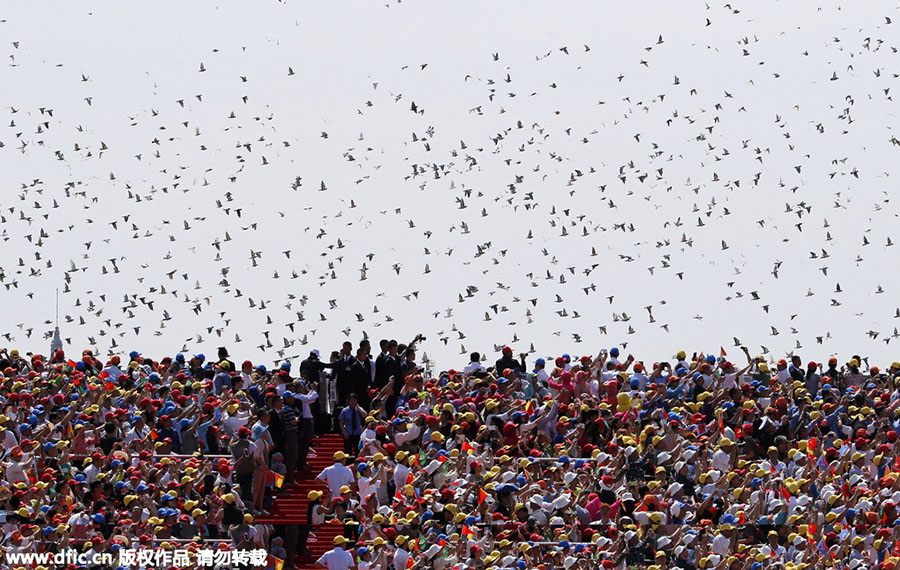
565,206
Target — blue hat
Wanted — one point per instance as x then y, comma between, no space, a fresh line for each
261,368
166,497
634,383
115,463
179,357
614,351
80,366
564,460
470,520
48,446
153,377
183,423
80,478
696,375
201,356
287,394
49,530
119,485
140,488
564,544
285,365
521,480
727,519
362,551
362,467
710,359
99,518
134,354
521,565
566,357
539,362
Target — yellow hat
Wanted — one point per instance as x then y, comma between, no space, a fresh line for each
314,495
339,540
344,489
248,518
378,541
229,498
854,362
339,456
437,436
378,457
400,455
400,539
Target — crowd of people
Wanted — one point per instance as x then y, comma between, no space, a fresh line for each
574,462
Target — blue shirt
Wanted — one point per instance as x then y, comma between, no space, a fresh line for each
353,422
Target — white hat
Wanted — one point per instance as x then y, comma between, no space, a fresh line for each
432,466
432,551
629,535
663,457
570,561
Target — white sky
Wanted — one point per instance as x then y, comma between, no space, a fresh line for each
754,98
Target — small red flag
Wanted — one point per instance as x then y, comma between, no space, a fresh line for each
481,496
466,531
722,350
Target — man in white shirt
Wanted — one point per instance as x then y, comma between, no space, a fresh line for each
337,558
474,364
402,437
113,369
721,459
401,471
138,431
337,475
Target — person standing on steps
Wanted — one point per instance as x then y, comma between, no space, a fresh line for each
351,420
308,395
291,442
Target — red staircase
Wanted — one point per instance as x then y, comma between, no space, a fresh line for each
289,507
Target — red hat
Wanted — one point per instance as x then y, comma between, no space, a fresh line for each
244,431
507,349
